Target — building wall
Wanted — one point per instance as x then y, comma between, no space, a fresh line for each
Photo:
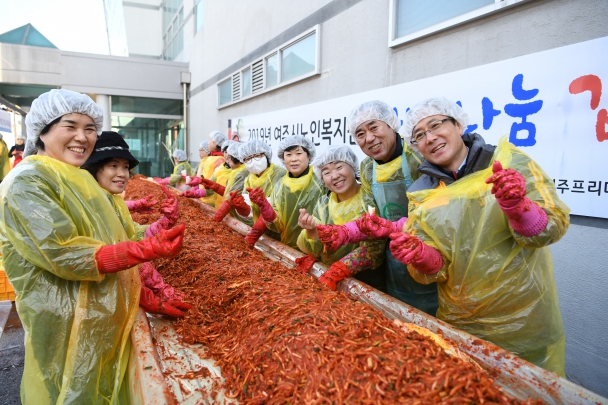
355,57
143,21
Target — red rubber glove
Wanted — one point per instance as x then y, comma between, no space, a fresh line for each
305,263
124,255
256,232
222,211
212,185
151,278
154,305
266,211
239,204
334,236
409,249
170,211
337,272
162,182
525,216
194,180
378,227
194,193
142,205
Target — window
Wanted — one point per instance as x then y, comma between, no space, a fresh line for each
173,28
246,77
412,19
293,61
198,11
225,92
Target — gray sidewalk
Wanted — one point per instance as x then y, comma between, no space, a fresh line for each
11,354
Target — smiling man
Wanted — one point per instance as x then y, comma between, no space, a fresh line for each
480,223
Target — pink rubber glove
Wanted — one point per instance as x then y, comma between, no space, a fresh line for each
336,273
142,205
334,236
162,182
170,211
194,193
194,181
151,278
266,211
378,227
408,249
525,216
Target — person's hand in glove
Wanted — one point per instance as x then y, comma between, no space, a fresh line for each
194,193
193,181
240,205
212,185
124,255
337,272
525,216
162,182
334,236
155,305
170,211
142,205
151,278
409,249
256,232
378,227
266,211
305,263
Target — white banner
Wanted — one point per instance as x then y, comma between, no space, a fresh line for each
5,121
549,103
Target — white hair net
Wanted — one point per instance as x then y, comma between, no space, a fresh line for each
226,144
54,104
341,153
296,140
234,150
255,146
218,138
372,110
432,106
204,146
180,155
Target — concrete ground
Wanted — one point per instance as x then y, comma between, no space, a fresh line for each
11,354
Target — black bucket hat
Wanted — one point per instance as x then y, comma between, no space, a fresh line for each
111,144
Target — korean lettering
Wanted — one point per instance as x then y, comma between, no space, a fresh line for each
471,127
596,187
563,185
326,130
578,186
523,111
593,84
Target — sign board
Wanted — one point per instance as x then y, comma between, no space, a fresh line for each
549,104
5,121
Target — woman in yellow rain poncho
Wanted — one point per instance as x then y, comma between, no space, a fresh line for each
212,162
337,167
482,233
298,189
5,164
70,260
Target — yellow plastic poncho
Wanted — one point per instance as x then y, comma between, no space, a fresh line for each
495,284
329,211
53,219
236,180
267,182
176,177
288,197
221,176
5,164
206,169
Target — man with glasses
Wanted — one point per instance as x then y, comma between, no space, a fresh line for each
480,221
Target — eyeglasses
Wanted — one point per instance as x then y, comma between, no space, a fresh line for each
259,156
433,128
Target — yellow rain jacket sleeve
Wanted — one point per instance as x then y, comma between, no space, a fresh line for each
135,232
288,197
176,177
53,219
392,171
495,284
209,164
5,163
329,211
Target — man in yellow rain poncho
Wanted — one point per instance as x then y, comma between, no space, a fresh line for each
70,260
481,218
